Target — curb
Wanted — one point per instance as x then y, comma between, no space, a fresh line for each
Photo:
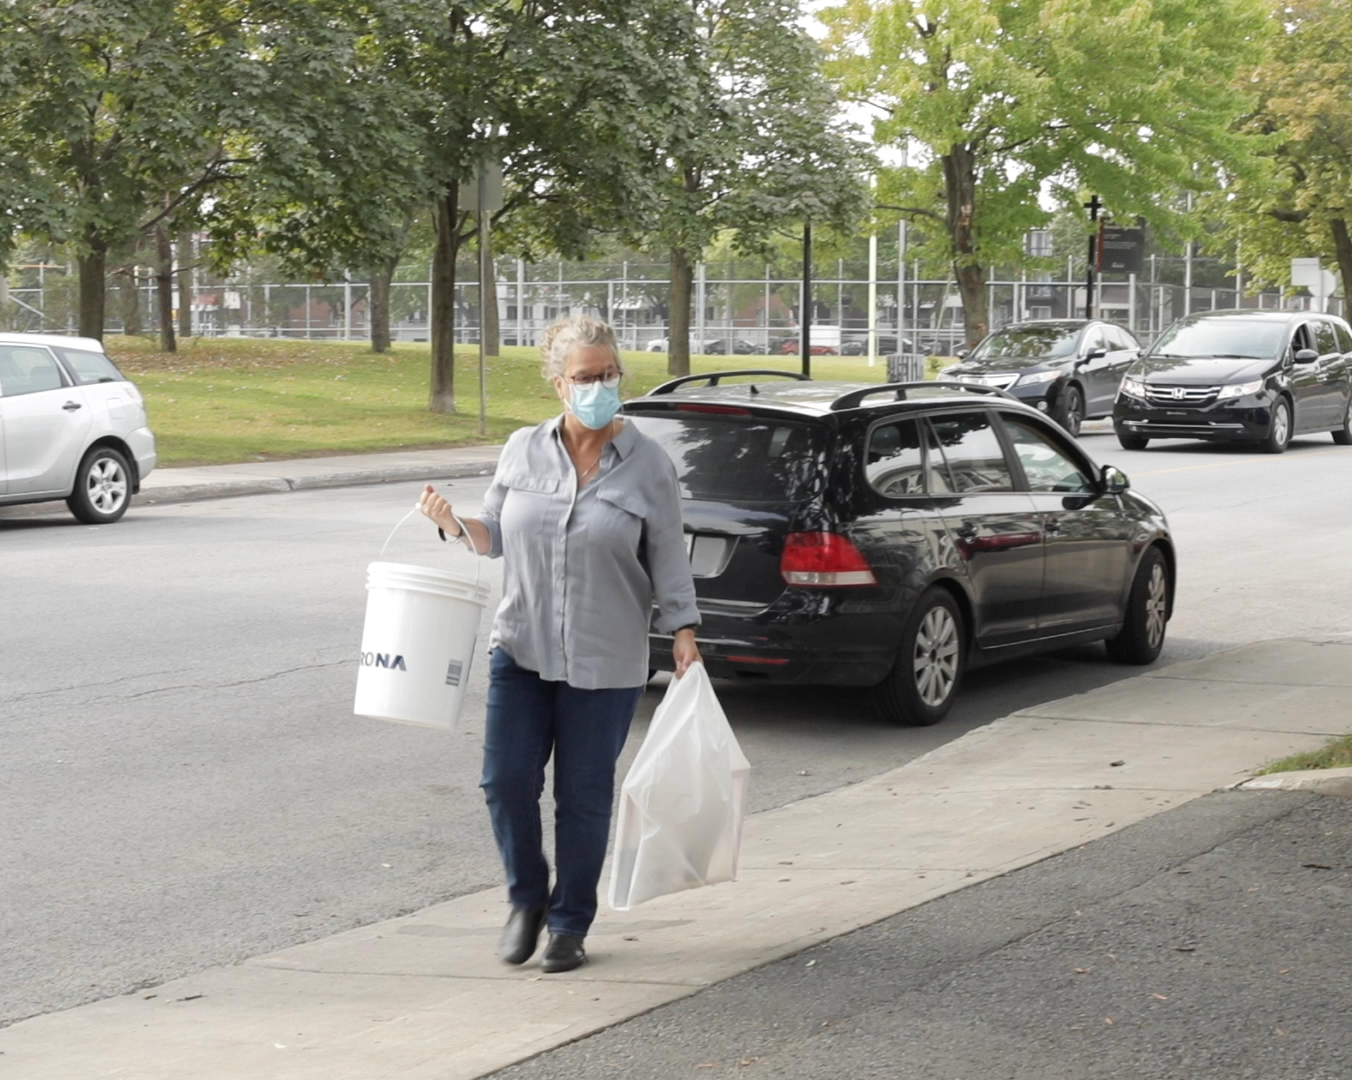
225,489
1337,782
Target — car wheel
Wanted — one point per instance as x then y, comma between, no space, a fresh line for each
102,487
1343,436
1128,441
923,683
1147,616
1279,431
1070,412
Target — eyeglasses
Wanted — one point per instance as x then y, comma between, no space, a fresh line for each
610,381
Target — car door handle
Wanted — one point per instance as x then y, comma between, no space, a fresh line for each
71,406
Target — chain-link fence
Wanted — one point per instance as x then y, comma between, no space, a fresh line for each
731,314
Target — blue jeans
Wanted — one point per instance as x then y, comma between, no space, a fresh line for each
528,720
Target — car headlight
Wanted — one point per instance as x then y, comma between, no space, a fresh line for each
1039,378
1243,389
1133,388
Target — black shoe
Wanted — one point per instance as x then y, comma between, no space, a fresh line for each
563,953
521,934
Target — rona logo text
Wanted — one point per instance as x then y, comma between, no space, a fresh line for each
383,659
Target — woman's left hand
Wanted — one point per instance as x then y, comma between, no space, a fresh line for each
685,652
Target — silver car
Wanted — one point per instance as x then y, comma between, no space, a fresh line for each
72,427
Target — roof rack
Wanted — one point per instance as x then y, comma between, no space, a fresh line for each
712,378
855,398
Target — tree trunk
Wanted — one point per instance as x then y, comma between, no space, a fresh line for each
678,338
489,317
445,218
6,316
186,259
1342,246
164,288
129,297
93,290
378,299
960,189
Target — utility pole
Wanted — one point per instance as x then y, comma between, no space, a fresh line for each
805,308
1093,206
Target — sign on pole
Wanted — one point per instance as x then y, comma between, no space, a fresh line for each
487,176
1121,249
1307,273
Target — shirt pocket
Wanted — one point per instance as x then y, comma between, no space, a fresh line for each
539,485
621,515
530,508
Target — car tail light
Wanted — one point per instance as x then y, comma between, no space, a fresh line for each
823,558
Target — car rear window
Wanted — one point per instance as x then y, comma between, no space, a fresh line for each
90,367
738,459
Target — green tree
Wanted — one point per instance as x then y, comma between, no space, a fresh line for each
119,113
998,101
749,141
1301,204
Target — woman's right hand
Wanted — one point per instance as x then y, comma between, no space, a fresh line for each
439,510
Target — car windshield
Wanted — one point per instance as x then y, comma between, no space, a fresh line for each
727,458
1240,339
1029,342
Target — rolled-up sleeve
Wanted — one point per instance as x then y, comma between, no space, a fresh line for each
667,556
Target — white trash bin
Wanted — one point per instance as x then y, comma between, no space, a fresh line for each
421,631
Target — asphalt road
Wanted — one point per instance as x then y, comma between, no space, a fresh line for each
183,783
1208,943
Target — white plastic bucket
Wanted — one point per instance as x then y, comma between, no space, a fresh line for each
422,625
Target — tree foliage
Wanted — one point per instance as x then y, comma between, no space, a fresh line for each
1300,205
746,140
1002,101
117,115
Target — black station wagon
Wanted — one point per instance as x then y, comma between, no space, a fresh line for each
892,536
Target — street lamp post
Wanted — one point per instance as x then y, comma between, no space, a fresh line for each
1093,206
805,308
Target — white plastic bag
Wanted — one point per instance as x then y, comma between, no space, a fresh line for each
682,804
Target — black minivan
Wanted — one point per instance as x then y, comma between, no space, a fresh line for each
891,536
1260,377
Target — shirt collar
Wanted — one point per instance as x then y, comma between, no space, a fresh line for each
624,441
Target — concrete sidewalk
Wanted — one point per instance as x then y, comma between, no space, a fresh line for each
423,996
174,485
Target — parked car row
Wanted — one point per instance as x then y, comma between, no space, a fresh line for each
854,345
72,427
1242,376
895,536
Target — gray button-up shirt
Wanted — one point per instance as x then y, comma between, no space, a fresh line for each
582,568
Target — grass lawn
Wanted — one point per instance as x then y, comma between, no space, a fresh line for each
244,399
1336,755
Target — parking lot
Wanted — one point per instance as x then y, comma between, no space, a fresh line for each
192,788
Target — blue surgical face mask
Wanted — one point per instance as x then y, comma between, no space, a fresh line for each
595,405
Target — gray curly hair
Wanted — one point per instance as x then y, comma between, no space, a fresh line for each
576,331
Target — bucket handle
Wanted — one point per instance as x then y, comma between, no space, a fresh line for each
463,532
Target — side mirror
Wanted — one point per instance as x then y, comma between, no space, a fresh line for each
962,353
1096,354
1115,481
1306,356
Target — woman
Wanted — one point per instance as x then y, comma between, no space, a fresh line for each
586,514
